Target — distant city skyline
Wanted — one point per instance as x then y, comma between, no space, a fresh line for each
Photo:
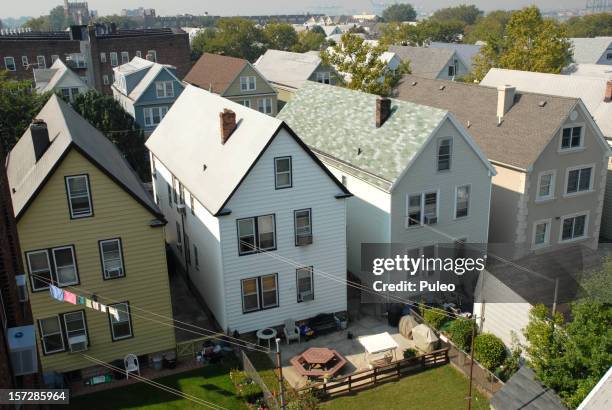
244,7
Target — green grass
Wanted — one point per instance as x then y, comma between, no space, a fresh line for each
211,383
440,388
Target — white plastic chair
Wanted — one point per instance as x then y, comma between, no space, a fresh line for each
292,332
131,365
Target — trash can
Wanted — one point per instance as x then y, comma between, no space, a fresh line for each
394,315
170,360
157,362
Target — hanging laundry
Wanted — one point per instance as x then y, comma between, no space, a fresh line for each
88,303
95,305
56,293
113,312
80,300
102,308
69,297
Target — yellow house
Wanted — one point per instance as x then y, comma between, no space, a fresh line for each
87,225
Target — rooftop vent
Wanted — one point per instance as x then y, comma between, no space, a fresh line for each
542,103
414,83
442,87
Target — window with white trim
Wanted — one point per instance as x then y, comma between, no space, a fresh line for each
164,89
573,227
250,295
303,227
24,61
305,284
112,258
113,59
546,185
246,103
76,330
422,209
55,57
451,70
125,57
51,337
154,115
41,62
64,263
256,234
324,77
462,201
283,177
571,137
121,327
259,293
103,57
445,149
138,53
179,236
39,266
264,105
579,180
9,64
541,233
79,196
248,83
105,80
152,55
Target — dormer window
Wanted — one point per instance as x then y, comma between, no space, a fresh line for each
282,173
164,89
445,150
324,77
571,138
79,196
248,83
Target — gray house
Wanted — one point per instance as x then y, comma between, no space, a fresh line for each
433,62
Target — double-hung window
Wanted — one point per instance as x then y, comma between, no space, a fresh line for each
112,258
579,180
125,57
264,105
40,62
256,234
462,201
103,57
422,209
138,53
324,77
246,103
39,265
169,194
121,326
451,70
79,196
546,186
305,284
105,79
64,263
9,64
303,227
445,150
113,59
51,337
164,89
152,55
248,83
571,137
24,62
154,115
52,265
283,177
573,227
179,236
541,233
76,330
259,293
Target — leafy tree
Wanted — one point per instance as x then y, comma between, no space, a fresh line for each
200,42
309,40
489,350
107,115
529,43
422,33
19,104
591,25
236,37
463,13
122,22
460,332
361,62
491,25
280,36
57,20
38,24
399,12
448,31
317,29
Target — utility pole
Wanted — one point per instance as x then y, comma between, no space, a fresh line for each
469,397
280,374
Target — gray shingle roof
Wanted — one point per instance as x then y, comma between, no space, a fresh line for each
590,50
526,128
340,123
287,68
67,129
524,392
466,52
424,62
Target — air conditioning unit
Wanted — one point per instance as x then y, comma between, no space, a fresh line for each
22,348
22,289
306,296
114,273
78,343
304,240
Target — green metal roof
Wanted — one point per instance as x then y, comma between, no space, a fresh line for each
339,125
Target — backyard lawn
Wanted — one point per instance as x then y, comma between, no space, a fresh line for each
210,383
440,388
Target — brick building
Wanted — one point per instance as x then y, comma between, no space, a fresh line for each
93,51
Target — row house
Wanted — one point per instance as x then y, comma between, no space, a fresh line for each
255,219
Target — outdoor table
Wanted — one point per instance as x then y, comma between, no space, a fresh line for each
318,362
266,334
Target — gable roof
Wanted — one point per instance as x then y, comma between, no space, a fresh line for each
189,138
339,124
67,130
590,50
287,68
214,72
524,391
47,79
466,52
589,70
152,71
526,128
589,89
425,62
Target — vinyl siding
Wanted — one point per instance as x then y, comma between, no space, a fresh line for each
506,198
47,224
261,86
606,218
312,188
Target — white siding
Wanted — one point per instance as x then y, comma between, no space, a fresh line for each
312,188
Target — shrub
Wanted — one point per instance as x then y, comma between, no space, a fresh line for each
306,400
460,332
246,388
489,350
408,353
434,317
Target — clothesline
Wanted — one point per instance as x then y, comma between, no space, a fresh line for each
74,299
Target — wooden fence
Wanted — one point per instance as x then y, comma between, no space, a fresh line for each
367,378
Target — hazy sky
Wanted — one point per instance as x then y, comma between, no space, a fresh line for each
12,8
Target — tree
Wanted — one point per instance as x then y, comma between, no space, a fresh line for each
38,23
399,12
529,43
280,36
449,31
591,25
107,115
19,104
122,22
317,29
491,25
360,62
201,41
463,13
236,37
57,19
421,33
309,40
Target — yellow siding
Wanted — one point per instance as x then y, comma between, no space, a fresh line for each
47,224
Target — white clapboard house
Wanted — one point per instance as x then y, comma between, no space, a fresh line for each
256,220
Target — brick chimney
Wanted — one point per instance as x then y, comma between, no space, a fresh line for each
505,100
608,94
383,110
40,137
227,120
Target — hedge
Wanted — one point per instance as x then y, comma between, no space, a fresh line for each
460,332
490,351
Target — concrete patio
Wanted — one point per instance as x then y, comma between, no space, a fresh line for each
351,349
